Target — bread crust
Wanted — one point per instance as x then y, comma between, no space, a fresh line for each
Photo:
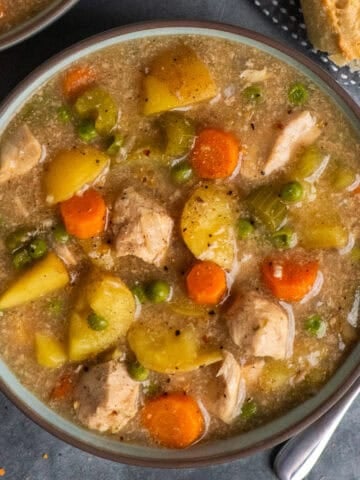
334,27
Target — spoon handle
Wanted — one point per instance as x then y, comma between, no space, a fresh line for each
299,455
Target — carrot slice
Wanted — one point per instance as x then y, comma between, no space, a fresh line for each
356,191
215,154
85,216
174,420
63,388
76,80
289,280
206,283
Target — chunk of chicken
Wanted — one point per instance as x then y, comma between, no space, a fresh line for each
254,76
19,154
299,130
232,393
142,227
261,326
106,398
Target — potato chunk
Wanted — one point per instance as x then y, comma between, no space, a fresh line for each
207,225
108,297
45,276
72,170
169,350
176,78
50,353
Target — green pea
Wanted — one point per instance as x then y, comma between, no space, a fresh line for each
315,326
86,131
292,192
298,94
37,248
116,144
139,292
284,238
60,234
17,239
97,322
138,372
64,114
21,258
158,291
248,410
253,93
244,228
181,173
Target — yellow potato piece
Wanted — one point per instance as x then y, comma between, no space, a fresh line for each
71,170
165,350
45,276
108,297
49,351
207,225
176,78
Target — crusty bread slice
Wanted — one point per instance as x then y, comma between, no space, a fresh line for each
333,26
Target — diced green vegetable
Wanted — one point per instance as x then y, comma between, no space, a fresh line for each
50,353
21,259
37,248
355,253
64,114
60,234
342,177
97,104
315,326
180,134
86,131
253,93
158,291
326,235
292,192
139,292
298,94
248,410
115,145
181,173
267,207
138,372
311,163
18,239
244,228
284,238
97,322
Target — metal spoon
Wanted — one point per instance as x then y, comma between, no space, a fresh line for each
300,454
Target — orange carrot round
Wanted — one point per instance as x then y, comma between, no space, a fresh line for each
289,280
76,80
206,283
215,154
174,420
84,216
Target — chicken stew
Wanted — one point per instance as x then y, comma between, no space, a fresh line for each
180,243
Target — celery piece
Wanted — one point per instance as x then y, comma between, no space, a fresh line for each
310,165
180,134
267,207
342,177
96,103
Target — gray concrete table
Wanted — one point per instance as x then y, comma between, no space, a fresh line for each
26,451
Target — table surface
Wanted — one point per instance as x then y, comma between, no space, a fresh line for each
26,451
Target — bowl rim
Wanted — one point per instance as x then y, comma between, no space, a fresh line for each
286,432
35,24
